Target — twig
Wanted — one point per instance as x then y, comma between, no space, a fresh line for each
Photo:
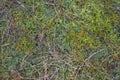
84,63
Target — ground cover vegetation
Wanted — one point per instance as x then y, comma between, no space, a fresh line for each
59,39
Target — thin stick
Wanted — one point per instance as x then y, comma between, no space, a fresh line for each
83,64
